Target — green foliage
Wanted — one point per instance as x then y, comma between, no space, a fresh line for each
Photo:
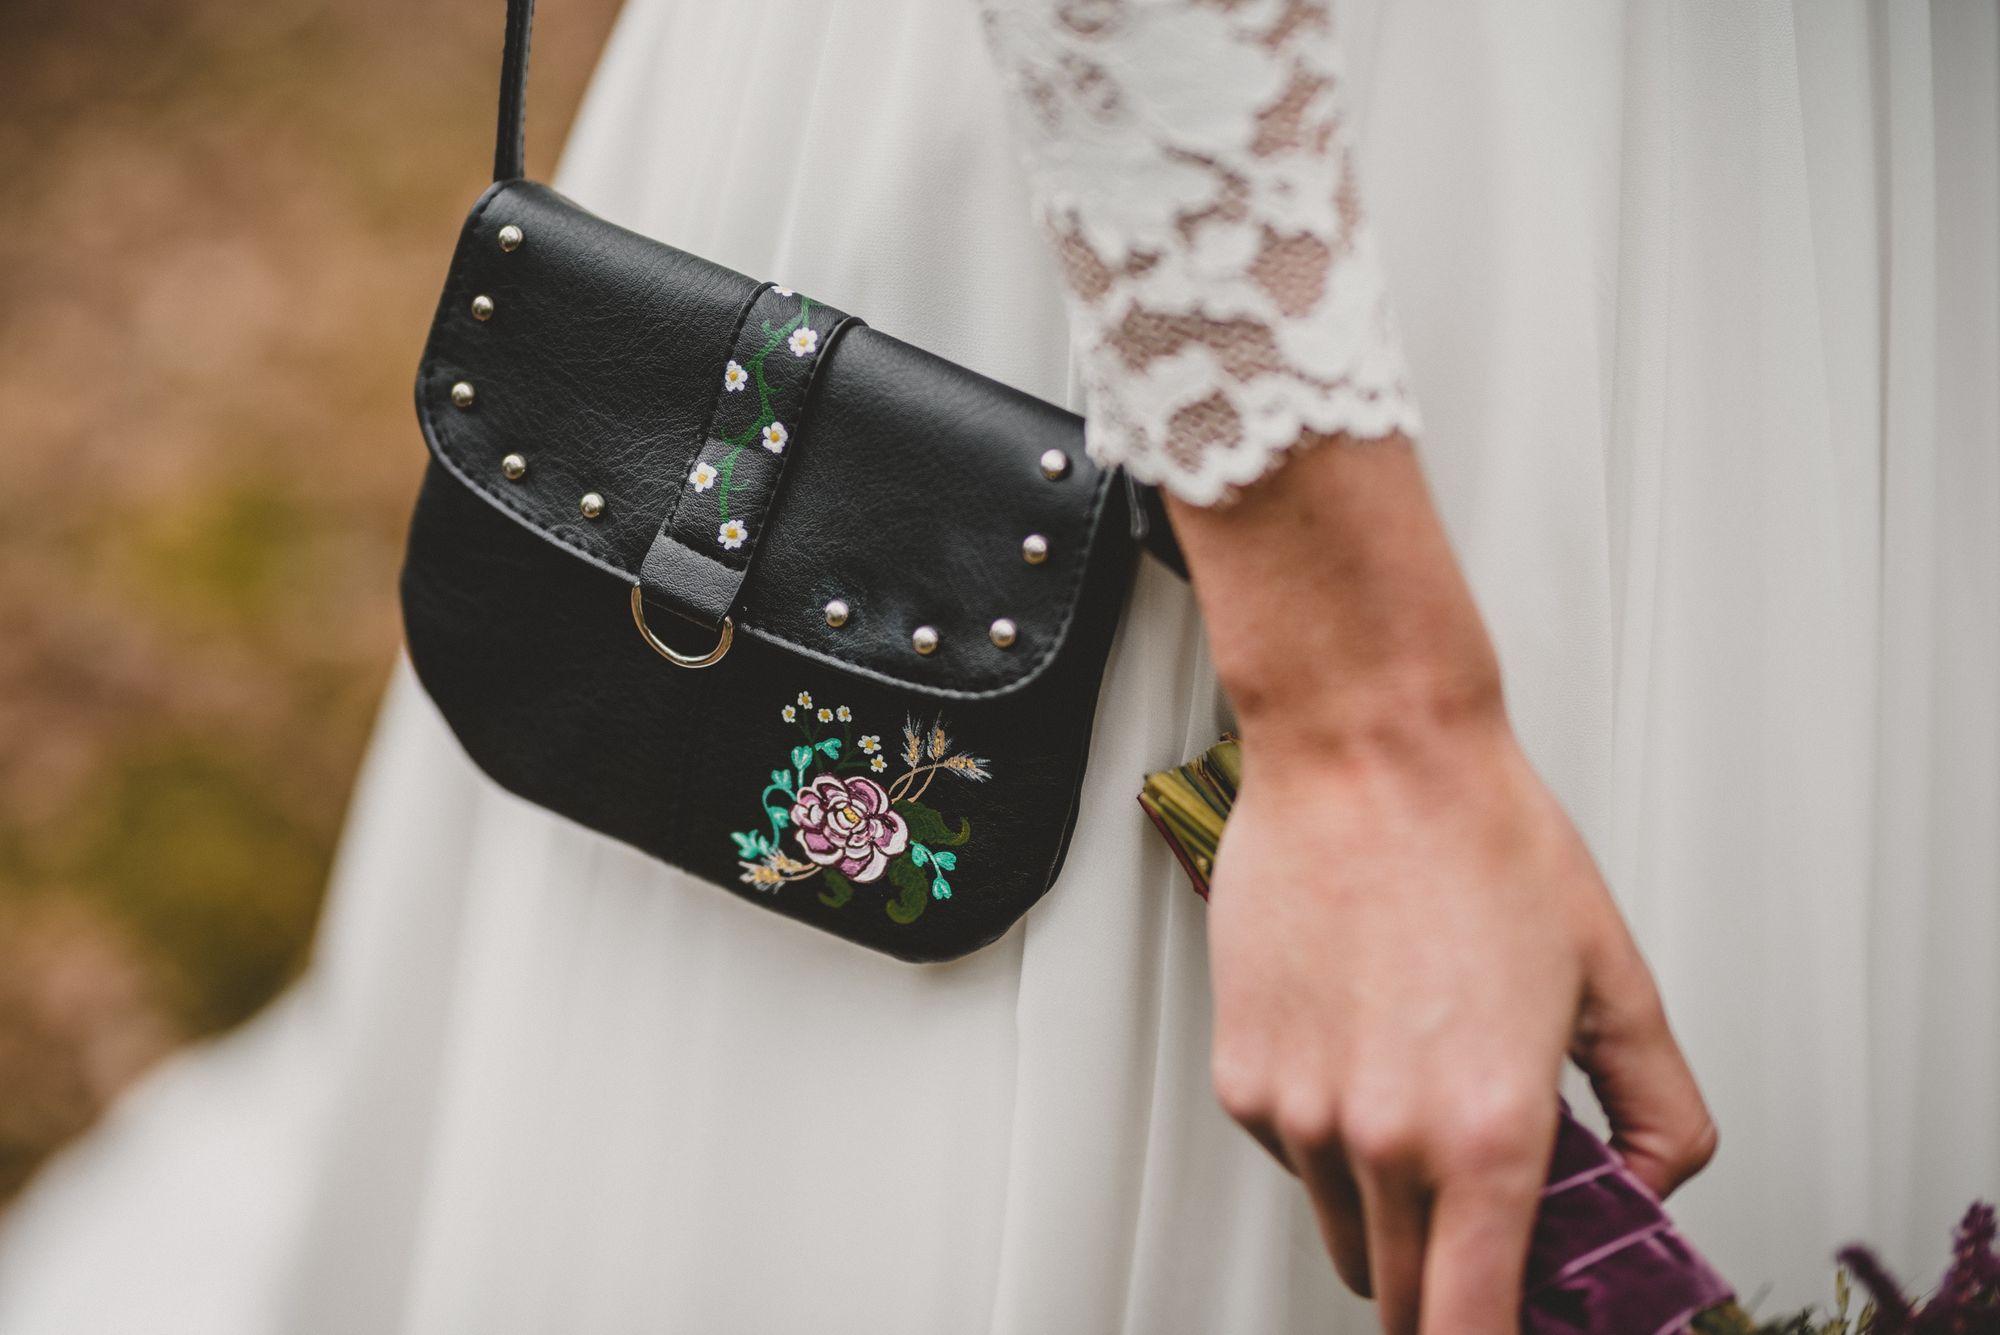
838,888
915,890
941,862
928,827
1731,1319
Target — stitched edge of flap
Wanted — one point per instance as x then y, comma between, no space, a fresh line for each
430,381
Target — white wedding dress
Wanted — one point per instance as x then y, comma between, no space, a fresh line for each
1701,301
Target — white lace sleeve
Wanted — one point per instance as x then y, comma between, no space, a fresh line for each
1189,160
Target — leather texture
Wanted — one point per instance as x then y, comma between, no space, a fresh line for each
699,558
914,802
910,498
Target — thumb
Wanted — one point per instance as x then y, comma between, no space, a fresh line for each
1660,1124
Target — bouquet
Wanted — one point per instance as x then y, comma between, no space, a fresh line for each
1604,1258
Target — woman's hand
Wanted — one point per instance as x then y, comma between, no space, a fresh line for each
1406,934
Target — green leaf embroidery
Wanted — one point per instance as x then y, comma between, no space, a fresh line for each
773,337
801,757
946,859
831,747
919,854
927,826
908,906
748,845
838,888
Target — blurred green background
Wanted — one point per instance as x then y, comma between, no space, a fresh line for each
224,232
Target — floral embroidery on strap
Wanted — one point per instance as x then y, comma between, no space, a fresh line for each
849,828
803,340
1192,167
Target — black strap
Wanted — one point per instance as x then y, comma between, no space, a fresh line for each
701,553
508,147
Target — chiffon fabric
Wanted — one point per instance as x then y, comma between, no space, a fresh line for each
1702,302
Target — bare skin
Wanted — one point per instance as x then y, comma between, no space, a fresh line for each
1406,934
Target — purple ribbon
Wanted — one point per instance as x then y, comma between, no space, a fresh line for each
1605,1259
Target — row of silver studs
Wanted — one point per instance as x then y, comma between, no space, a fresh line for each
515,466
924,639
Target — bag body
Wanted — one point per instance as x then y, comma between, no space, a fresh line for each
720,572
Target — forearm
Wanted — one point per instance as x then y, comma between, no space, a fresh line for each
1335,607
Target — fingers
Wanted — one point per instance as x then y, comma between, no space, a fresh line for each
1311,1156
1372,1175
1394,1209
1660,1124
1336,1201
1481,1224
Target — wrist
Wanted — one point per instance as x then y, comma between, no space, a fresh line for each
1404,711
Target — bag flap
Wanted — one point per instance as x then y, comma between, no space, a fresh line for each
572,358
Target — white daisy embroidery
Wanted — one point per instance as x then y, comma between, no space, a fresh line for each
803,341
732,534
878,764
775,437
734,377
703,477
791,714
805,700
871,743
825,716
844,714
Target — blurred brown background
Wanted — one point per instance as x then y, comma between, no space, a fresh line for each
224,232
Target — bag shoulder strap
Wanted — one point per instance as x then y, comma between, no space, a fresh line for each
509,145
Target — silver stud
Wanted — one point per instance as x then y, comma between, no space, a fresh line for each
836,613
1055,464
1034,549
461,394
510,237
514,467
924,639
482,307
591,506
1003,633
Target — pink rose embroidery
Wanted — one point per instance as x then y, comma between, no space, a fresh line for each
847,824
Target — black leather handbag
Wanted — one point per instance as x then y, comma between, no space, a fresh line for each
715,569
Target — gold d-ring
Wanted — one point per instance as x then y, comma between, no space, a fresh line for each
667,651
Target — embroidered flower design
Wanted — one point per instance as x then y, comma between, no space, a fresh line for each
855,829
784,291
775,437
703,477
846,824
732,534
734,377
803,341
762,875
